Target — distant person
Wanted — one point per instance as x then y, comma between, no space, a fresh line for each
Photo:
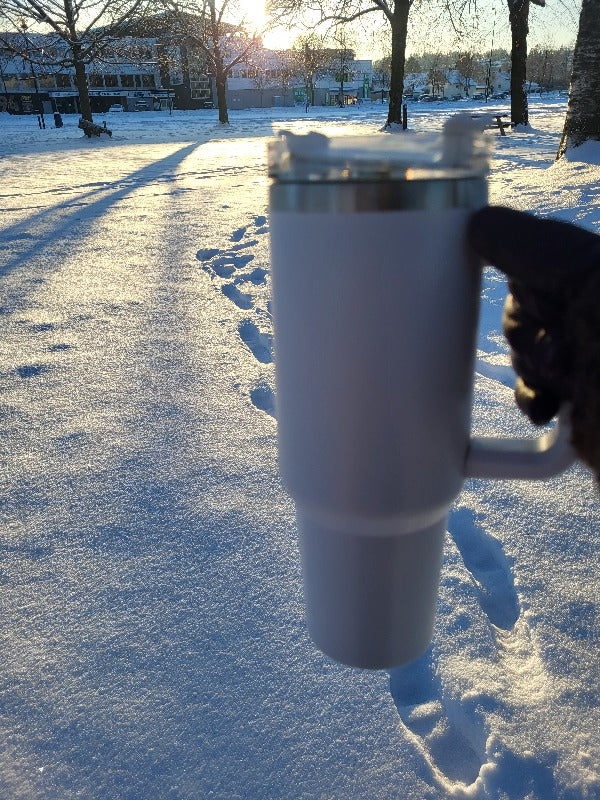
551,316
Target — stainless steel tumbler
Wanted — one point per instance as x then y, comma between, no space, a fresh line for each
375,301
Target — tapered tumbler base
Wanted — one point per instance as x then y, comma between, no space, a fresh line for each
370,600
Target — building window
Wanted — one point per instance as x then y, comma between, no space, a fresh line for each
96,81
63,81
111,81
138,80
200,89
11,81
46,82
148,81
127,81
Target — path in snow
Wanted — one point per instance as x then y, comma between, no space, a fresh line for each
247,288
452,734
450,729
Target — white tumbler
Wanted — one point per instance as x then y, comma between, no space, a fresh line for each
375,302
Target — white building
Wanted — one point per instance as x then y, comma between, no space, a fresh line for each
272,80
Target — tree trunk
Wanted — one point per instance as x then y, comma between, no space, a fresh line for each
221,83
82,85
85,107
583,111
218,63
399,23
518,12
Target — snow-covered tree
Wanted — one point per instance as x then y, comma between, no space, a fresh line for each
582,121
78,32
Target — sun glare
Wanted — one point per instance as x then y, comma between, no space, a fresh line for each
254,14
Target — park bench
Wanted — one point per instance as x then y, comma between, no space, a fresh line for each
91,129
497,122
500,124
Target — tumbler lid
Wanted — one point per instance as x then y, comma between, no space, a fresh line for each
461,150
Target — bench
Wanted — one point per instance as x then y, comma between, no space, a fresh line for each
500,124
91,129
496,123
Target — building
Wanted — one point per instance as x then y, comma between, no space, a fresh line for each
27,88
154,73
272,80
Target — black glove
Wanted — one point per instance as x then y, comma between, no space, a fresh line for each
551,316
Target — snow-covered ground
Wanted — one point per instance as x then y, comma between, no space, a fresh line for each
153,645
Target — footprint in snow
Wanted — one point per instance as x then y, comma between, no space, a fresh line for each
263,398
241,299
221,265
260,344
261,225
258,277
31,370
235,248
451,738
206,255
449,731
224,266
242,261
238,234
490,569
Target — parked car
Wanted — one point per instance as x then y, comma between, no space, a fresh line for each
498,96
116,107
478,96
429,98
141,105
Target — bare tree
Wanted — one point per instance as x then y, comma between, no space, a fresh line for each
582,121
435,65
381,75
344,56
288,69
78,32
311,59
222,33
466,66
336,12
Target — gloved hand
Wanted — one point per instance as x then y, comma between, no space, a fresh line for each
551,316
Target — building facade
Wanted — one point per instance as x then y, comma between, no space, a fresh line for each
269,81
27,87
163,75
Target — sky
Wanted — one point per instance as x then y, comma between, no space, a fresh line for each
488,26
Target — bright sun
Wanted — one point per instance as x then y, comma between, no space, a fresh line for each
254,13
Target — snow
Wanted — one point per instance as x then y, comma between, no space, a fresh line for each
153,644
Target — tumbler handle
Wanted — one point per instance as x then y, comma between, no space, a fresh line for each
524,459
